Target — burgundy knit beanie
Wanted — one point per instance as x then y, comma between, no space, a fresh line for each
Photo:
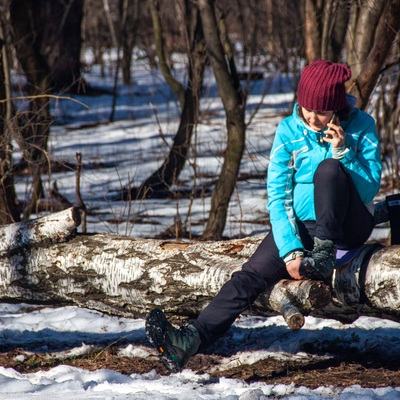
321,86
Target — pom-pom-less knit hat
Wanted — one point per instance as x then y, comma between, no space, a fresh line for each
322,86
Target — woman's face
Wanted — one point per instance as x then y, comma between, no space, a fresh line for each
317,120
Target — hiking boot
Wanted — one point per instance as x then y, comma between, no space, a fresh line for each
174,346
321,262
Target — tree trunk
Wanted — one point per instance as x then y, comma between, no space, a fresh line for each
8,198
33,135
176,86
234,104
42,261
386,32
325,28
52,29
312,30
342,16
362,31
129,14
158,184
61,43
327,24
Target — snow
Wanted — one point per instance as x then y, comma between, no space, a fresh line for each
69,331
129,149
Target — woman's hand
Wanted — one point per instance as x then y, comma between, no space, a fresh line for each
293,268
335,135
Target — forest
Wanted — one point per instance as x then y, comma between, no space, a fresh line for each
239,40
248,50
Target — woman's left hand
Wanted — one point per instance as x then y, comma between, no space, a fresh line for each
335,135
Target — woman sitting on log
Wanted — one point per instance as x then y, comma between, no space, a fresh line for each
324,171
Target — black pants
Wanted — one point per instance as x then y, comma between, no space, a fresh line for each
341,217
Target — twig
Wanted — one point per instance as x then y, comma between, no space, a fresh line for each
52,96
81,204
160,131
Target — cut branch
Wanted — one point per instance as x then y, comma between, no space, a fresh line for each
57,227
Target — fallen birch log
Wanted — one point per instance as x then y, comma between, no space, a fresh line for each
57,227
128,277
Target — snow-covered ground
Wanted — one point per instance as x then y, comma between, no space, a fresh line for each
72,331
129,149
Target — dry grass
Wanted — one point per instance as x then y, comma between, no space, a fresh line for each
336,371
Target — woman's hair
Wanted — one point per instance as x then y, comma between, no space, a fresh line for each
344,113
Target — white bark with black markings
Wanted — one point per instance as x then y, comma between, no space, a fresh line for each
57,227
128,277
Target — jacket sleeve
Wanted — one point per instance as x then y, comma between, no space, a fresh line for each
363,161
280,201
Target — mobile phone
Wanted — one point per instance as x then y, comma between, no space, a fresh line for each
334,119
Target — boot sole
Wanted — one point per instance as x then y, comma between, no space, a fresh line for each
155,323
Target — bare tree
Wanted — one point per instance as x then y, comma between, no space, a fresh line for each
371,57
129,15
95,32
174,84
161,180
312,29
362,31
35,123
8,199
222,61
325,25
47,38
61,41
284,21
52,28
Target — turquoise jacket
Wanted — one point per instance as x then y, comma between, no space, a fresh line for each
295,155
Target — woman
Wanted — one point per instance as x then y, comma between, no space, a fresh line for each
324,172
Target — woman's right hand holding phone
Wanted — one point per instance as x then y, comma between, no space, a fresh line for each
335,134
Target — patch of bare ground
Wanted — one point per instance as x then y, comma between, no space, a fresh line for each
335,371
